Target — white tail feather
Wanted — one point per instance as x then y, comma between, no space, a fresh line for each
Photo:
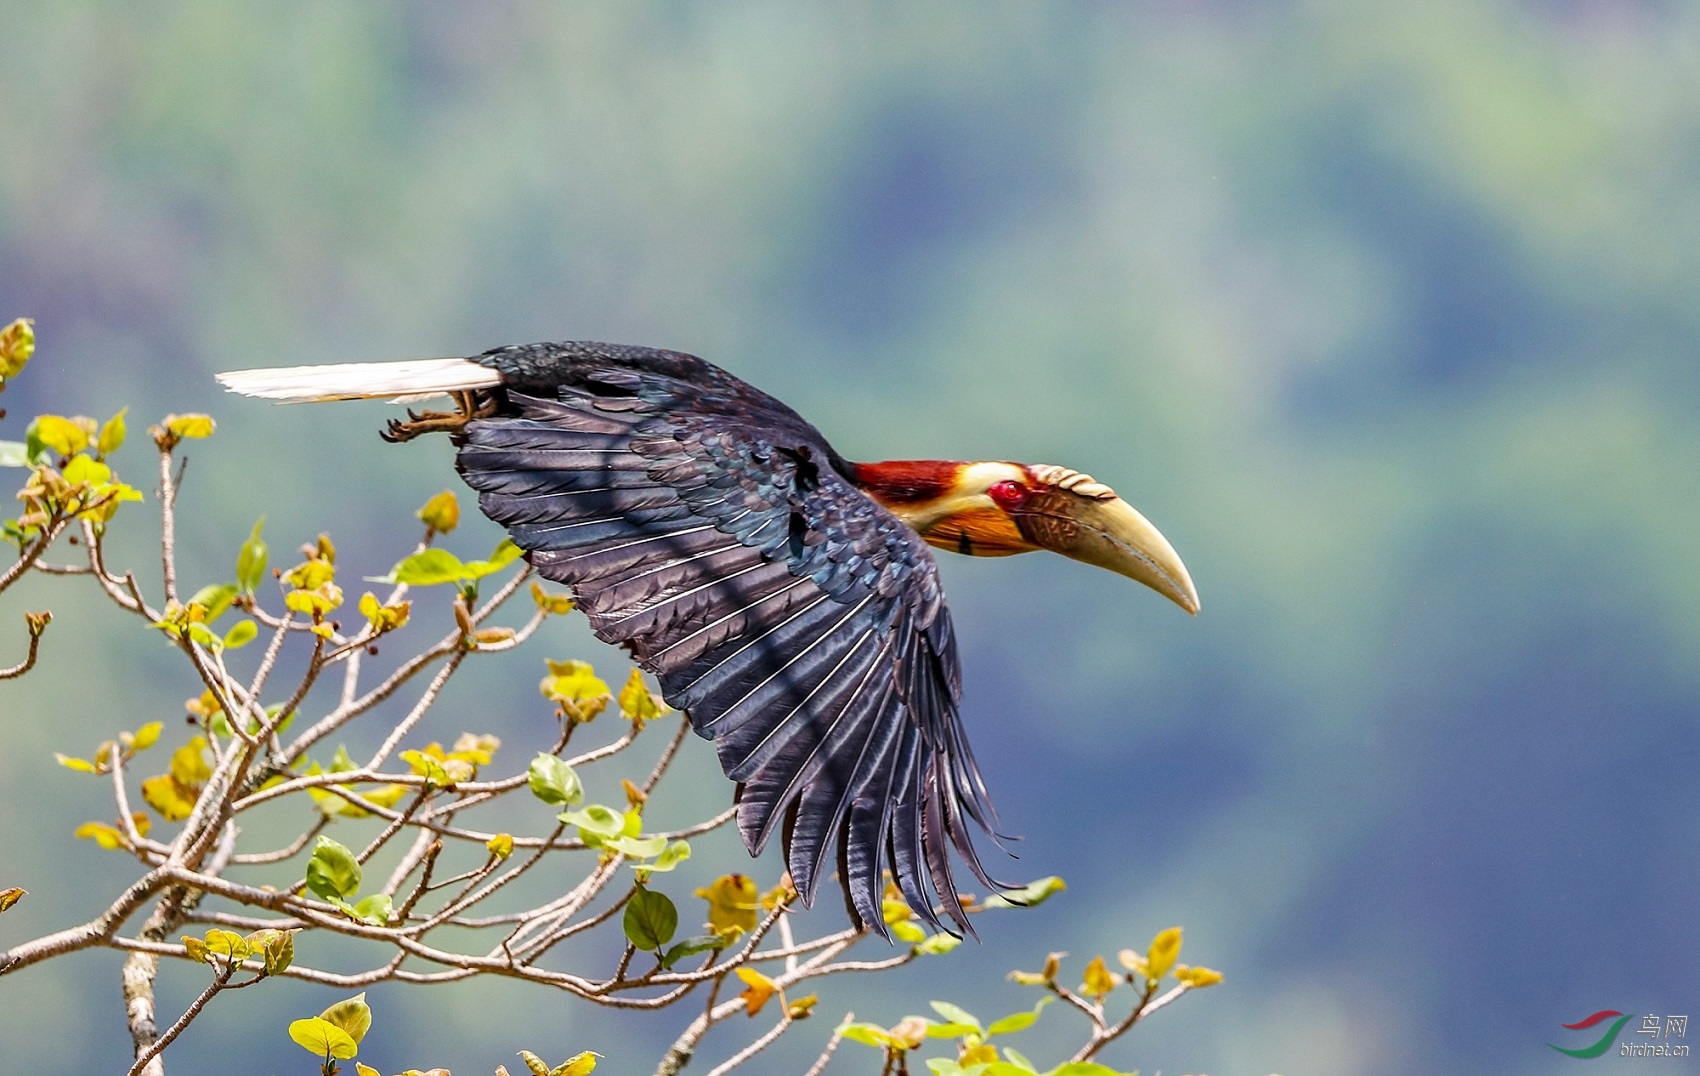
399,381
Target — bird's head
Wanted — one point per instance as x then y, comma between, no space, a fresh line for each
997,509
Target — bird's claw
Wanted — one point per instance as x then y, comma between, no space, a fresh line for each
468,407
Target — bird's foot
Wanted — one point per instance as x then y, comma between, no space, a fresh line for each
469,405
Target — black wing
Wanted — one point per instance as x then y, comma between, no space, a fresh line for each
801,627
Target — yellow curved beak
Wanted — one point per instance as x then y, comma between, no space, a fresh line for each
1108,532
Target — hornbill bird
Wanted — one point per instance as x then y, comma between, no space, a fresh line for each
783,596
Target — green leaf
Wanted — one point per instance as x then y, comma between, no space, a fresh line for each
866,1034
673,855
702,943
215,598
352,1015
650,919
1028,896
638,847
433,566
427,568
240,634
1020,1021
280,952
956,1014
427,767
374,910
1086,1068
596,821
1019,1060
937,944
251,560
14,454
505,553
321,1038
951,1030
553,781
333,871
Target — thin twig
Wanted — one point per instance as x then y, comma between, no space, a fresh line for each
755,1047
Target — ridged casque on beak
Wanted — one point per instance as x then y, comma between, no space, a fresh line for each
1090,523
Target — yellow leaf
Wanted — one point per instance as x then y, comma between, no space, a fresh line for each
310,574
550,604
477,749
83,469
1198,977
352,1015
636,702
802,1007
321,1038
112,434
64,436
983,1054
148,735
759,989
17,344
81,765
442,512
501,845
190,425
575,685
189,762
363,1069
731,903
142,822
169,797
9,897
1165,948
384,617
580,1064
1097,979
227,943
783,893
106,836
316,602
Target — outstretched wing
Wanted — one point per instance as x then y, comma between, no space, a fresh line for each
799,625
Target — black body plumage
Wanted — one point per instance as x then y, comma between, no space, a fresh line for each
715,534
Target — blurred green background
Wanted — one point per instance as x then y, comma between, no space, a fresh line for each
1384,313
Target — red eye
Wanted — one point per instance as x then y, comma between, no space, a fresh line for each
1008,494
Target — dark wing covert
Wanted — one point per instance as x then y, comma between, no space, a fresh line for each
703,525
